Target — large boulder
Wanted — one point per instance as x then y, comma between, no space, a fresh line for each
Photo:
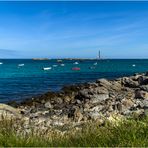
104,82
144,87
128,82
8,112
140,94
95,95
143,80
99,98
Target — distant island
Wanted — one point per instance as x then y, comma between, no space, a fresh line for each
40,59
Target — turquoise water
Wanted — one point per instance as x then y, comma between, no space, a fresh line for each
18,83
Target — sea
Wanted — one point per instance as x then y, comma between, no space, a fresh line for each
22,79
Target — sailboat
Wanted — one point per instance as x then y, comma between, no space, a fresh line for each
98,58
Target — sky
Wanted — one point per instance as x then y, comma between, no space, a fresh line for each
73,29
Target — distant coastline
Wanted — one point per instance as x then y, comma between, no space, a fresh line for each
40,59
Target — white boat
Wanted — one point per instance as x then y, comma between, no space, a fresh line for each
133,65
95,63
54,65
62,64
76,63
1,63
20,65
46,68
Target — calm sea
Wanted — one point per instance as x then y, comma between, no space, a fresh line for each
20,82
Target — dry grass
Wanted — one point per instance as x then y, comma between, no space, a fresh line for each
126,133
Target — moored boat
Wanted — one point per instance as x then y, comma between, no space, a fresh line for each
95,63
20,65
76,68
62,64
75,63
46,68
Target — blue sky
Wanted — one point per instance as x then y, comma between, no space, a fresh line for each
73,29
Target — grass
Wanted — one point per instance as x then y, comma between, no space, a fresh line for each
130,133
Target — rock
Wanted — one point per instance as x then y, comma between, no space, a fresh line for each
144,87
101,90
115,118
142,104
9,112
146,74
97,108
84,94
141,94
58,100
126,104
78,115
138,113
103,82
99,98
57,123
143,80
94,115
48,105
79,102
116,86
127,82
67,99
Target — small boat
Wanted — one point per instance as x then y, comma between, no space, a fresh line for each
133,65
20,65
95,63
54,65
76,68
59,61
62,64
1,63
75,63
46,68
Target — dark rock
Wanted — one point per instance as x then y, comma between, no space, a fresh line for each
141,94
144,87
143,80
127,82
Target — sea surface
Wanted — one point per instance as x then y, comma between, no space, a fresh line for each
21,82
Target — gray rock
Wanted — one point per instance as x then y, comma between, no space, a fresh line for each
79,102
144,87
129,82
103,82
143,80
9,112
99,98
141,94
48,105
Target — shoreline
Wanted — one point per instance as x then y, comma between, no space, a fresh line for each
75,105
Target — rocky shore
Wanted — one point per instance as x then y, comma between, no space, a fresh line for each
75,105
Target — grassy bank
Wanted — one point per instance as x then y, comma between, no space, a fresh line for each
127,133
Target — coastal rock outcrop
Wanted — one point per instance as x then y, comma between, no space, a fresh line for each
74,105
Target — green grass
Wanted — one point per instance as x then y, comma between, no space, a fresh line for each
126,133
